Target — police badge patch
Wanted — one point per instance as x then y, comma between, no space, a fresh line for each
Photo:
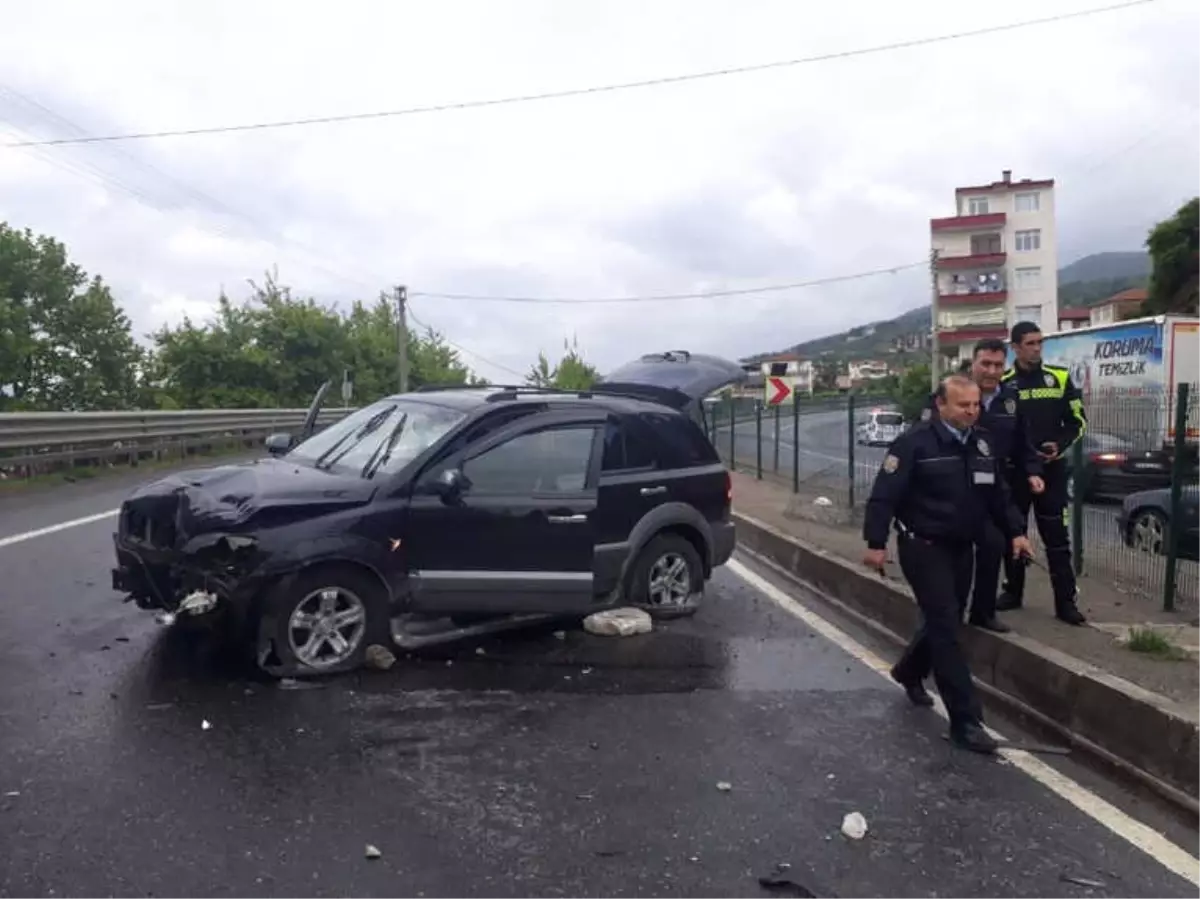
984,449
1010,406
1049,380
890,463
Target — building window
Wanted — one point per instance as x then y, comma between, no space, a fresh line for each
1030,314
1029,240
1029,278
1029,202
977,206
985,244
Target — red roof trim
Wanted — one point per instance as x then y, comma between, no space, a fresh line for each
987,220
1026,184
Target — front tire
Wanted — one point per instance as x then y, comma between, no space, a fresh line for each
667,580
1149,532
321,621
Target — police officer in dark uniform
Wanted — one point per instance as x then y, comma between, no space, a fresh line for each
939,482
1052,407
1016,458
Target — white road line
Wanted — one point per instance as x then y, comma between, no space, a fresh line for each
55,528
1144,838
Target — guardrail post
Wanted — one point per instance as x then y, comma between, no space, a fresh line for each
1080,476
850,447
758,441
732,434
776,456
1177,472
795,446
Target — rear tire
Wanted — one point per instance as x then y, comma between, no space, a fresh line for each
321,621
667,580
1149,532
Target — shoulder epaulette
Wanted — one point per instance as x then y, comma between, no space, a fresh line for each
1009,374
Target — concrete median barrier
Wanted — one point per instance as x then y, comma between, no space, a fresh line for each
1144,735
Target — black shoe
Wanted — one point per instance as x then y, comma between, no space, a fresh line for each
991,624
915,691
1006,602
973,737
1070,614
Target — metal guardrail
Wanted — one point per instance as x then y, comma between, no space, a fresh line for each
36,438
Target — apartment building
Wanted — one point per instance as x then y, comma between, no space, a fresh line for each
997,263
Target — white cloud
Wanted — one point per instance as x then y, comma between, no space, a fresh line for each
785,175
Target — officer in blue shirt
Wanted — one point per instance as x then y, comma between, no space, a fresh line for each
1000,416
939,484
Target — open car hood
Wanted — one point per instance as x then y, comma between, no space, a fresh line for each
232,496
675,378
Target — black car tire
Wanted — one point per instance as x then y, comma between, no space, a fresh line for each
659,551
277,649
1149,515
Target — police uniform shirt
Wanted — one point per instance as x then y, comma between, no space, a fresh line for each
941,485
999,416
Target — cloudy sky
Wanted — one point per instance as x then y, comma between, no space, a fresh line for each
787,175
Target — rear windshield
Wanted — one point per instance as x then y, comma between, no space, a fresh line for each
891,419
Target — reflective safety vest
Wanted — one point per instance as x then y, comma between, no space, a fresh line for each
1051,404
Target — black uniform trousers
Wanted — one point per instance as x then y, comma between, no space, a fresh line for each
990,553
1050,512
940,576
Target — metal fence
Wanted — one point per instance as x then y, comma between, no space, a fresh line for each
1135,446
36,443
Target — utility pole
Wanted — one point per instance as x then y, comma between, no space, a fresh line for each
933,331
402,336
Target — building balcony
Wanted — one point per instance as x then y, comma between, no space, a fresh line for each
970,334
979,260
989,298
988,222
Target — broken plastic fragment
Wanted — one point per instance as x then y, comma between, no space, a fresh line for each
197,602
822,501
166,619
724,786
372,852
618,623
12,793
290,683
206,725
380,657
854,826
560,635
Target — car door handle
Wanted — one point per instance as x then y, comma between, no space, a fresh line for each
566,519
653,491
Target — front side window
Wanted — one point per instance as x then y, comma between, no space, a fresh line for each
555,460
379,439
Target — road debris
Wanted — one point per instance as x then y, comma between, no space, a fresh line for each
379,657
1082,881
822,501
206,724
290,683
12,794
480,651
618,623
372,852
854,826
780,880
724,786
197,603
560,635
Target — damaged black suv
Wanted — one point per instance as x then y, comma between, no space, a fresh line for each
428,515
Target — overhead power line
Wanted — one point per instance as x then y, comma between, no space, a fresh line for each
582,91
463,349
669,297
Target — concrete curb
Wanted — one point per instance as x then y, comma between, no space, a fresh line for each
1147,734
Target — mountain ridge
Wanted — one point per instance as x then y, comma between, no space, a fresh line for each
1081,283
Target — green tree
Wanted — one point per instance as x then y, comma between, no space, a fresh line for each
1174,246
65,344
571,372
825,373
912,392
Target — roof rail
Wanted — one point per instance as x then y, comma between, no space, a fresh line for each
506,392
429,388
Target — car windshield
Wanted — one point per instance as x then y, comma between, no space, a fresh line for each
889,419
380,438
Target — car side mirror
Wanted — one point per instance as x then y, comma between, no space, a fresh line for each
278,444
450,484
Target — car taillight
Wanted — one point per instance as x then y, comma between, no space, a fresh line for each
1108,457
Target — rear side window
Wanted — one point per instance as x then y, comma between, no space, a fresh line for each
626,448
680,442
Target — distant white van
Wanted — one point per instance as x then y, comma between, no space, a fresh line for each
880,428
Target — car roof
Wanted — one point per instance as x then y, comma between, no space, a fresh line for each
467,399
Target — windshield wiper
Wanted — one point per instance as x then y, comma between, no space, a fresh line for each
384,451
371,424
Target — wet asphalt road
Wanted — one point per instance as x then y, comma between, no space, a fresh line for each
543,766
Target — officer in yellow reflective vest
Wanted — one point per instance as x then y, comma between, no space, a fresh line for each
1052,408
